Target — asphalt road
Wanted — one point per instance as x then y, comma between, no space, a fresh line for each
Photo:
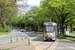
6,39
37,40
65,44
61,44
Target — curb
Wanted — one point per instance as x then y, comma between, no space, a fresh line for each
53,46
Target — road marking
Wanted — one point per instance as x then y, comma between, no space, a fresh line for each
72,47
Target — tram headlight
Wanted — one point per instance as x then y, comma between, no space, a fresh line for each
47,35
51,35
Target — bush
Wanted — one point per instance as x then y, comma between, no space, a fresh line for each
41,29
7,29
1,29
0,25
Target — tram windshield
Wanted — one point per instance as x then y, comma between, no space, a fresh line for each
49,29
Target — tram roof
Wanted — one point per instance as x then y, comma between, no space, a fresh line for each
50,23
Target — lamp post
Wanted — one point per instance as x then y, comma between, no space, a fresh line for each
11,25
24,17
51,15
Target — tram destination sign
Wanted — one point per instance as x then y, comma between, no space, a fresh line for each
48,23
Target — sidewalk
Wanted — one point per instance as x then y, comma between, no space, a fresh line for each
20,45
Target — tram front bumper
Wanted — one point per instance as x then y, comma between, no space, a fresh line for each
49,37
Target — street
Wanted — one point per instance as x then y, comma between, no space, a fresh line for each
37,41
61,44
7,39
37,25
65,44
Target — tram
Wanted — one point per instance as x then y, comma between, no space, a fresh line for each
50,31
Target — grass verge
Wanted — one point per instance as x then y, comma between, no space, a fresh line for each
70,38
5,49
72,34
39,32
3,33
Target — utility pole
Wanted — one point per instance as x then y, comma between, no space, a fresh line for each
11,25
51,15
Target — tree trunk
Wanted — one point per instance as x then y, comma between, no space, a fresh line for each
71,27
4,25
62,26
38,28
35,28
66,27
58,27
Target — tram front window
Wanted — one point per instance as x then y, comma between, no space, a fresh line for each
49,29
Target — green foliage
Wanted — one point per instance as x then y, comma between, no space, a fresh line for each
41,29
31,16
62,12
7,29
70,38
8,10
1,25
3,33
1,29
71,34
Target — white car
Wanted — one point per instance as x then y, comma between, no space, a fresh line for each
23,30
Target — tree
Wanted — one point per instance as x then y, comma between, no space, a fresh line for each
62,10
8,9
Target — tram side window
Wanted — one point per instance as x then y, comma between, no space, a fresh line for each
49,28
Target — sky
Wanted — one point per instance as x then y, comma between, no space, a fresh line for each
29,2
34,2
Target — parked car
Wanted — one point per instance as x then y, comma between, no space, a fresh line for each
23,30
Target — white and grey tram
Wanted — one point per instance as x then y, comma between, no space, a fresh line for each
50,31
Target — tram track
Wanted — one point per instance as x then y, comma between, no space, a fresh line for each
49,46
43,42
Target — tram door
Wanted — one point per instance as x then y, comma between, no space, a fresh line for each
50,30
